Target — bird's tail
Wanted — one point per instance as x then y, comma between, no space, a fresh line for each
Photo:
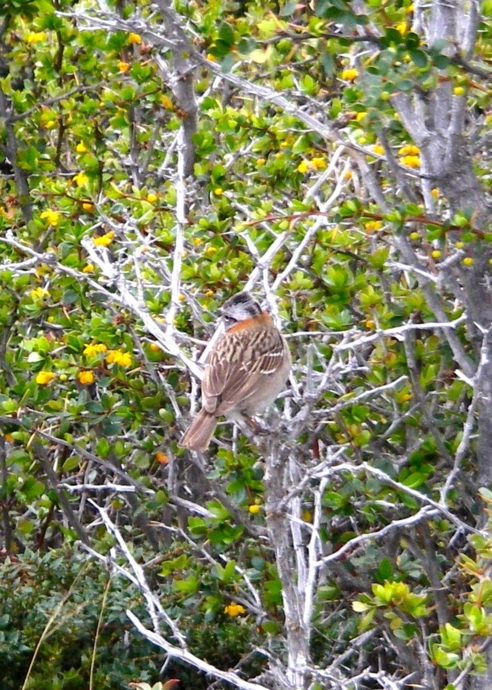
198,434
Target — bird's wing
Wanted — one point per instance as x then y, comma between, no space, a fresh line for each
235,369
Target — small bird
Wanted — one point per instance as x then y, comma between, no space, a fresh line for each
244,372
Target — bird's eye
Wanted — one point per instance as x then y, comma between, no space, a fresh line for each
228,320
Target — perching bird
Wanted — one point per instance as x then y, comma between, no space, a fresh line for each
245,371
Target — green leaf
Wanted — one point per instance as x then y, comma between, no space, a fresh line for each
328,63
271,627
226,34
71,463
360,606
392,36
367,620
111,427
189,585
288,8
385,570
451,637
229,572
226,534
33,488
441,61
70,297
419,58
414,480
218,510
442,658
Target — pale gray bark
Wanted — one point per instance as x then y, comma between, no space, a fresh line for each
181,81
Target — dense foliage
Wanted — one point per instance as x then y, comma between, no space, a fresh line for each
332,157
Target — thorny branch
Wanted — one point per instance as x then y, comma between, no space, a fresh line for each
136,575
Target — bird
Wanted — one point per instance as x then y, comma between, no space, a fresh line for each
244,372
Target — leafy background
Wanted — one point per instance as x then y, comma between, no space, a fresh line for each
332,157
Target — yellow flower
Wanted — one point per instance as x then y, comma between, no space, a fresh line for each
211,57
88,206
44,377
350,74
410,161
254,509
377,148
261,161
134,38
53,217
91,350
373,225
50,124
123,66
36,36
468,261
360,116
124,359
104,240
80,179
404,397
318,163
436,254
155,347
85,377
39,293
435,193
88,269
152,198
234,610
81,147
402,28
303,167
166,102
409,150
218,191
162,458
